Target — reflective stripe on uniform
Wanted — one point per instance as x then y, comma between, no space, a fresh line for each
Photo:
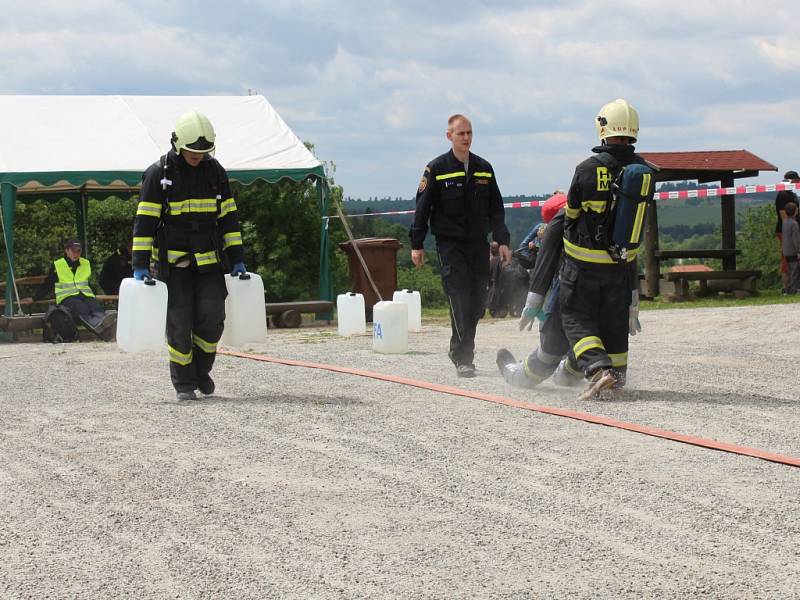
595,205
646,178
174,256
529,373
179,357
481,174
594,256
570,369
450,175
193,205
234,238
638,222
572,213
151,209
205,346
205,258
587,343
142,243
619,360
226,206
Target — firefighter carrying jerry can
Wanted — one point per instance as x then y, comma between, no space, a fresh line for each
187,223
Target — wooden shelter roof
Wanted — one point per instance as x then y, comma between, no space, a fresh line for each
706,166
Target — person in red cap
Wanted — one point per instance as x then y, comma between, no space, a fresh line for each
542,303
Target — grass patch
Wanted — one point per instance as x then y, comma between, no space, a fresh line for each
722,300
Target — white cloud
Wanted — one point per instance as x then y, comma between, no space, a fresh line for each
783,53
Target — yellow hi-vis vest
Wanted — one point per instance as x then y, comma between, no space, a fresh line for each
72,284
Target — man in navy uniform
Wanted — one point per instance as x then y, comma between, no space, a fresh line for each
459,198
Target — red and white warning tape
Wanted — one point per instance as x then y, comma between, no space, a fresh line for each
714,192
681,195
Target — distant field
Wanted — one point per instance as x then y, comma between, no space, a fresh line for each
677,212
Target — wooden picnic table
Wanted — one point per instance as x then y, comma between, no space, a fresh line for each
741,283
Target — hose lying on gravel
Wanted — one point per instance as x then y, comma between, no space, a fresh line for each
549,410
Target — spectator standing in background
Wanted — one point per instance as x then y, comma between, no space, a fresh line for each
781,200
790,246
116,268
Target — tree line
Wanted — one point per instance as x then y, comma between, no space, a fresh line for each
281,233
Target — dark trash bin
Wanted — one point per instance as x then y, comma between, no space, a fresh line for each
380,254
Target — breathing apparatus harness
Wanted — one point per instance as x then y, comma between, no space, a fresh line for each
620,230
193,227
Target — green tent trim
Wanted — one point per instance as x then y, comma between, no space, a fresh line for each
134,178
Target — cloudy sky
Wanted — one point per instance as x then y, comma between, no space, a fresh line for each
371,83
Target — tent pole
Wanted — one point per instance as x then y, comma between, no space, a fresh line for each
325,284
80,218
9,200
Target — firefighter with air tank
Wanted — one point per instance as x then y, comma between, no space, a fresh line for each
187,221
598,296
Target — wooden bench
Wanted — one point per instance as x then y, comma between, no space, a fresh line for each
741,283
27,286
289,314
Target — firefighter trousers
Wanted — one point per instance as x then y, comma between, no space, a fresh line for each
195,318
594,313
553,346
465,275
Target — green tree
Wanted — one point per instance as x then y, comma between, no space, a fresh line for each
759,247
109,225
40,228
426,281
280,231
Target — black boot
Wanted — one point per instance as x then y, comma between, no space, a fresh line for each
206,385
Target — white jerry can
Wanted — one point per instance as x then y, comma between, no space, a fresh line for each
351,318
142,315
414,302
245,310
390,327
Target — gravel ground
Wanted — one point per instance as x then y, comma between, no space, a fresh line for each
301,483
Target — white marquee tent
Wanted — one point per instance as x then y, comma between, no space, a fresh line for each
80,144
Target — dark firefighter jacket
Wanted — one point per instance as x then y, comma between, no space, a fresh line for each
587,199
548,260
196,216
460,206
